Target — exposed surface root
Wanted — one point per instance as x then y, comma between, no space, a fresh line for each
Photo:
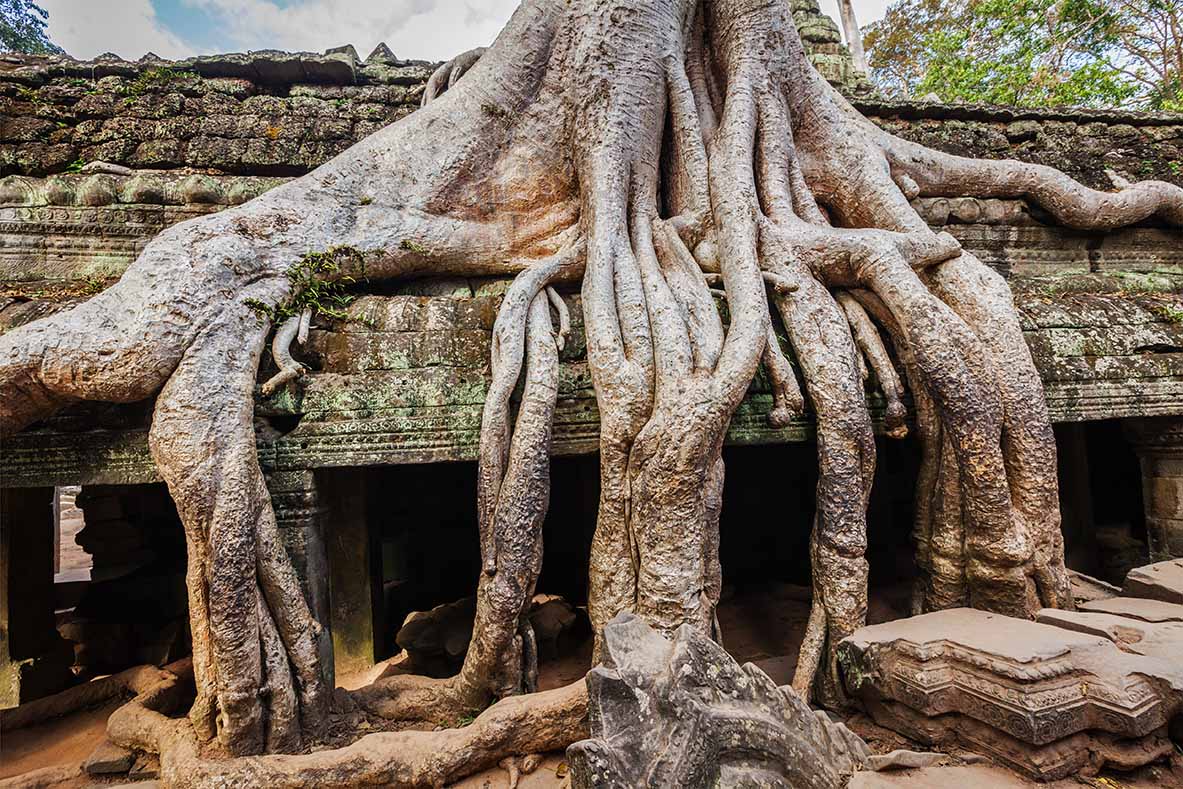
512,729
873,350
787,400
821,340
133,680
289,369
938,174
514,487
247,610
448,74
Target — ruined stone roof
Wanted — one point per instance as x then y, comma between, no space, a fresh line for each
343,66
337,66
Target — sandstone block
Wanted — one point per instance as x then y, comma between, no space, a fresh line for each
108,759
1162,581
1048,698
1137,608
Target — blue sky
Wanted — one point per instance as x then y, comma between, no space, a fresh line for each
427,29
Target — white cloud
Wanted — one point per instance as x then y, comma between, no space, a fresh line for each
129,28
427,29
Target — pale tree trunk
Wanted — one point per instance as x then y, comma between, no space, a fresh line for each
854,36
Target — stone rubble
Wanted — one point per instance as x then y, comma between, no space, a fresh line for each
1070,693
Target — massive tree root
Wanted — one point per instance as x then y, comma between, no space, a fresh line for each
646,150
513,728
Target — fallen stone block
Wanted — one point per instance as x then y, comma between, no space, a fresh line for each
1137,608
437,639
146,767
1162,581
1085,753
1162,640
557,625
108,759
1085,588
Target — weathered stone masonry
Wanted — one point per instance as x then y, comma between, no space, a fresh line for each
403,380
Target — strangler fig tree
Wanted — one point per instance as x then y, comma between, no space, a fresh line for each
650,153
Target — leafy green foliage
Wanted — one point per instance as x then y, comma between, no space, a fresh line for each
320,281
22,28
1171,312
1102,53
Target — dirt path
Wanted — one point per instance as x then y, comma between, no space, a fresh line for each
65,741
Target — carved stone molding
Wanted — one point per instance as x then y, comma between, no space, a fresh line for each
1048,699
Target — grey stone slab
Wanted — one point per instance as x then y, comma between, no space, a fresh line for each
108,759
146,767
1016,640
1137,608
1162,581
1154,639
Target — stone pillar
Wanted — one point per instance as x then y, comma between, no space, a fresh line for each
299,516
354,563
57,531
1158,442
34,660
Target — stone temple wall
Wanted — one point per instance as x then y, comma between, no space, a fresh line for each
1102,311
281,114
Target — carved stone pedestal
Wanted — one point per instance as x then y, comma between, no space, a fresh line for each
1159,444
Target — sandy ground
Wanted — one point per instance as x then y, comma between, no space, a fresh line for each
65,741
976,776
